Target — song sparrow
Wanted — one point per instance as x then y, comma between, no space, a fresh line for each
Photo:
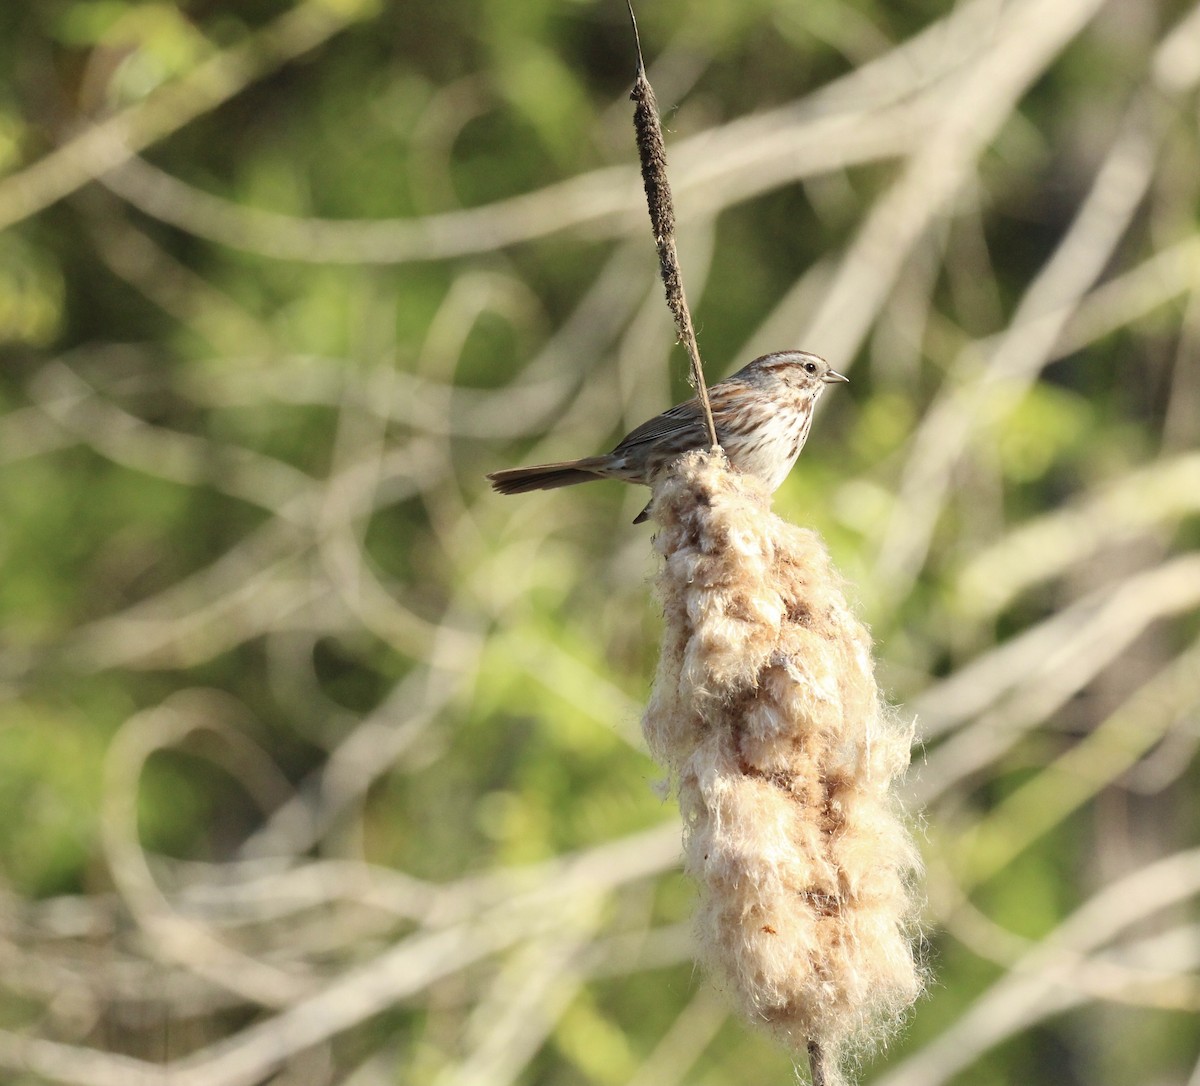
762,413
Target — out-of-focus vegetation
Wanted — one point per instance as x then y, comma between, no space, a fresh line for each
320,763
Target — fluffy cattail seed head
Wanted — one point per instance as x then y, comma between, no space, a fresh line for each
766,711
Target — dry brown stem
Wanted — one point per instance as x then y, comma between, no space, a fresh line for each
653,155
816,1064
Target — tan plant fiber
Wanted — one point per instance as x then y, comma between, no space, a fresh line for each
766,711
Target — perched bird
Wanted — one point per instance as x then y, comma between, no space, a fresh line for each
762,414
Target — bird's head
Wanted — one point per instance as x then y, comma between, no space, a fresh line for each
797,369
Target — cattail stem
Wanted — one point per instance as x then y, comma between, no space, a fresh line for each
653,156
816,1064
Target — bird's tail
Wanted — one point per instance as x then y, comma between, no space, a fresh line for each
548,476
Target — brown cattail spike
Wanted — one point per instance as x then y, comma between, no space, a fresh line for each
653,155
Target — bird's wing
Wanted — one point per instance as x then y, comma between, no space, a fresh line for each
683,416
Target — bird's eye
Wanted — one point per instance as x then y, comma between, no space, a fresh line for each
811,367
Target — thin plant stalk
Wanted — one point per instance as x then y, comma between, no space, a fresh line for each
653,156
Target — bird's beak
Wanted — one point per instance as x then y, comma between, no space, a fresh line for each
835,378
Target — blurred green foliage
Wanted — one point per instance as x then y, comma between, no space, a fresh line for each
226,471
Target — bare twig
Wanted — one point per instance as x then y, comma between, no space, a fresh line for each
113,141
653,156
